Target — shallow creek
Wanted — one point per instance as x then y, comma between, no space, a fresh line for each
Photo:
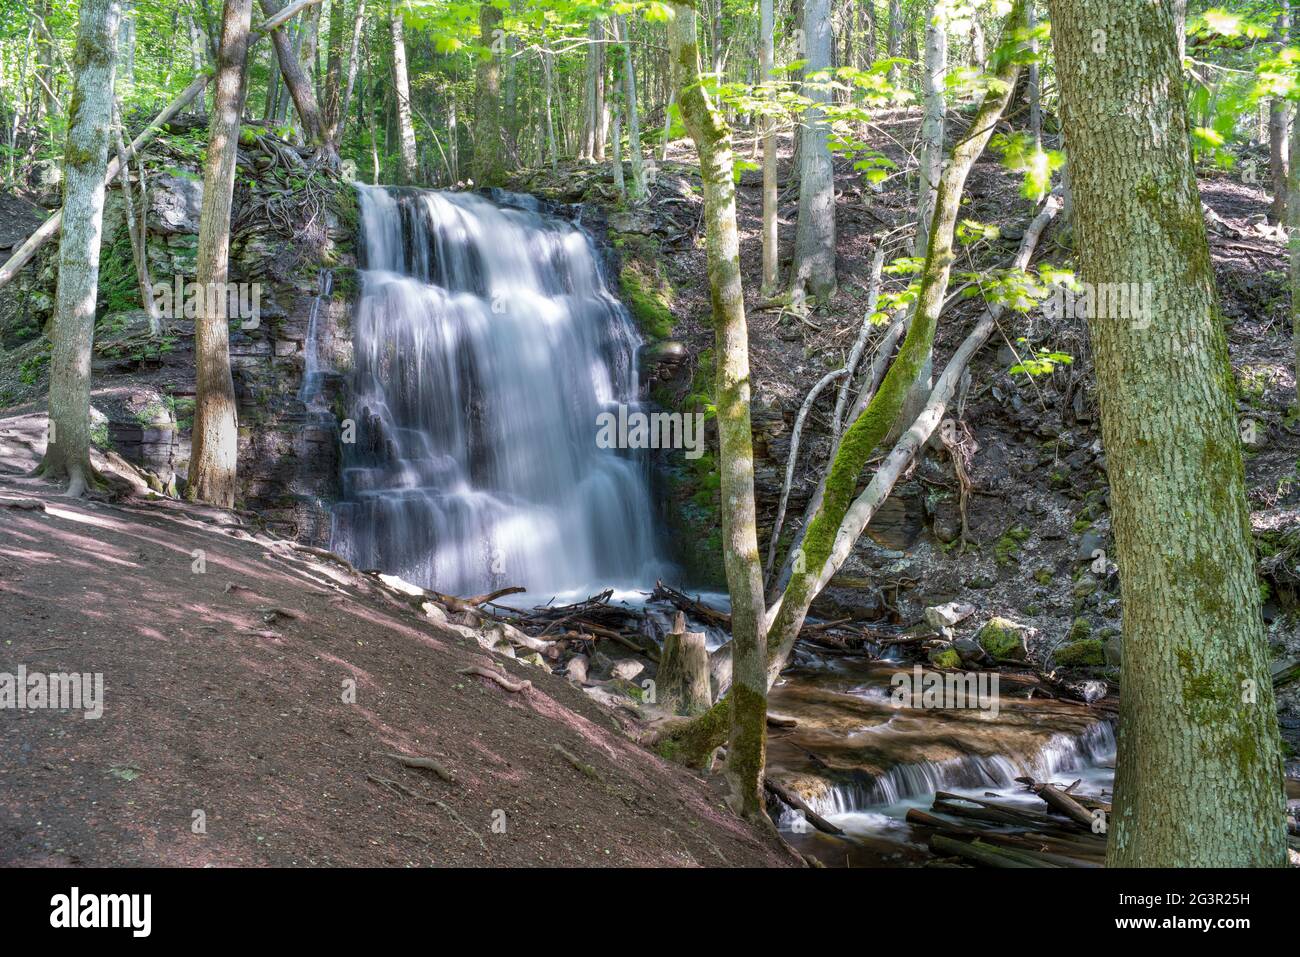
861,758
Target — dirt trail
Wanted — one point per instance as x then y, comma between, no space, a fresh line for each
229,701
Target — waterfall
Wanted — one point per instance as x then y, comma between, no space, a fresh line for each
485,345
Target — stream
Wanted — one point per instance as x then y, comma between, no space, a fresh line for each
486,344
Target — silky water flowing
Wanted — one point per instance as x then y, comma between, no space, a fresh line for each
486,345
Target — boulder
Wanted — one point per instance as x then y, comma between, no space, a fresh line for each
944,656
1089,652
576,669
626,669
943,617
1004,638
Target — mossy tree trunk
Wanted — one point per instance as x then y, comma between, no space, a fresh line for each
748,724
828,540
1199,773
85,163
215,453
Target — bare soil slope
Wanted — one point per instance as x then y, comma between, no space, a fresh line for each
224,694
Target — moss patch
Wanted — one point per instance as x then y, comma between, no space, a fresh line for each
1002,638
1088,652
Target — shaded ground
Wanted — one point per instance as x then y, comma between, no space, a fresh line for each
224,694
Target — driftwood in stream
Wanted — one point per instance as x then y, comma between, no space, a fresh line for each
799,804
683,680
1049,850
696,609
1059,801
454,603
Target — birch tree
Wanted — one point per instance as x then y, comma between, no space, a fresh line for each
402,91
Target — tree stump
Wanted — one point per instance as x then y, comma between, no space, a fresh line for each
683,678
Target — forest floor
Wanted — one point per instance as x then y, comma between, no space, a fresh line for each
223,694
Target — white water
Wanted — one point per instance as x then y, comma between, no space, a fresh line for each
485,346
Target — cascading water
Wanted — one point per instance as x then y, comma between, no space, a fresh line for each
485,346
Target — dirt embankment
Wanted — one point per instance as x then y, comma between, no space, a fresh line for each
230,734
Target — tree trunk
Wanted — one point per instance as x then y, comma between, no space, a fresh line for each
354,59
633,117
745,755
771,234
488,143
299,85
683,677
894,37
1199,771
1278,124
591,122
215,454
402,89
1293,242
932,126
333,86
813,270
548,75
1035,86
135,229
85,160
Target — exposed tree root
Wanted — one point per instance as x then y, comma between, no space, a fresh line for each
424,764
502,680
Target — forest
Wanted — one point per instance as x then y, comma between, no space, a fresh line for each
650,433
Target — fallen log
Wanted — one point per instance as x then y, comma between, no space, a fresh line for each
1059,801
799,804
23,254
980,853
696,609
455,603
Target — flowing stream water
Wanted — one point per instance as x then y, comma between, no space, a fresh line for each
485,345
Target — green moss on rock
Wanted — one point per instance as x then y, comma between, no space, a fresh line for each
1087,652
1003,638
649,302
